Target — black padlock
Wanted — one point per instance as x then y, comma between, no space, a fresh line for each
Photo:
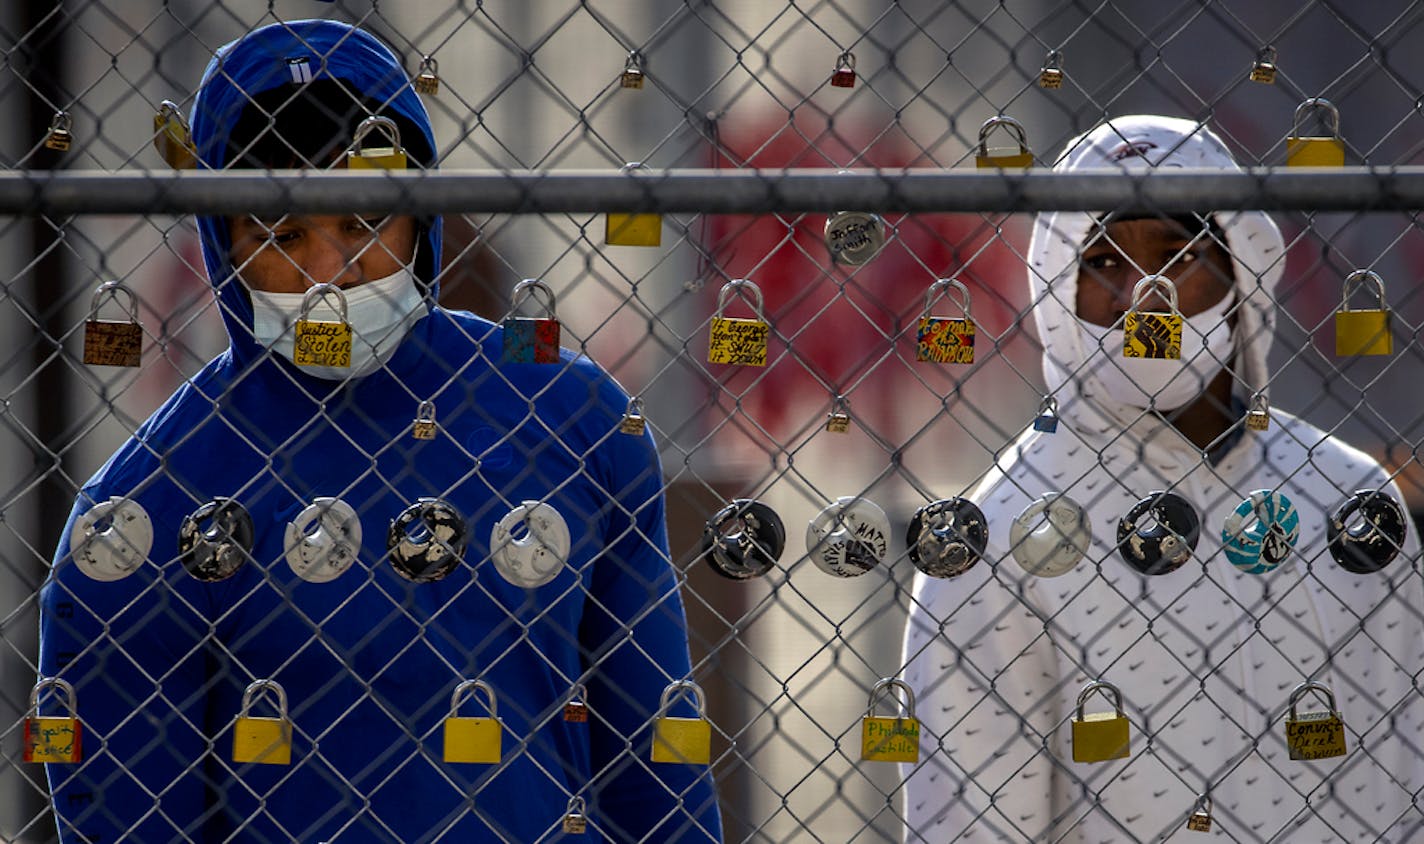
215,540
427,540
1366,532
744,539
947,537
1164,546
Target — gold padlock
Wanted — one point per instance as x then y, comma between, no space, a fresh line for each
1258,417
622,229
1200,818
632,71
894,739
633,423
1314,735
1050,76
322,342
59,138
473,740
172,137
575,821
576,707
1001,157
424,425
1264,70
1101,736
838,420
50,738
738,341
427,78
113,342
261,740
686,741
1153,334
945,339
388,155
1315,150
1363,332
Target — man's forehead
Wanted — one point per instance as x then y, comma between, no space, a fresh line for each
1147,228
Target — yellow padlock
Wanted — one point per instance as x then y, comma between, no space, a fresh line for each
59,137
1316,150
1314,735
999,157
322,342
473,740
575,821
685,741
172,137
633,423
1101,736
632,71
894,739
1200,818
945,339
389,155
1264,69
623,229
259,740
424,426
427,77
50,738
838,420
738,341
1363,332
1050,76
1153,334
1258,417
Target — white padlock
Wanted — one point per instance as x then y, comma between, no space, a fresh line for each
530,545
848,538
112,539
1051,543
323,540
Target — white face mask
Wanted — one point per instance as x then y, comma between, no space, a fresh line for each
380,312
1160,384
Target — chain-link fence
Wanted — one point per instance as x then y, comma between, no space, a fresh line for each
847,391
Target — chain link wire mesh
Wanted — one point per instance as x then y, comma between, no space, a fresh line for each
788,660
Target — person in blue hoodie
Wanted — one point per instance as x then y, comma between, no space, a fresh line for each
295,524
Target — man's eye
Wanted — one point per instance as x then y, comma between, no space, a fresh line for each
1101,261
367,224
282,237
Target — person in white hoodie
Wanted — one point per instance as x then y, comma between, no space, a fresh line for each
1206,656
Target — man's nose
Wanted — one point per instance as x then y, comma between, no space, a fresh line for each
331,261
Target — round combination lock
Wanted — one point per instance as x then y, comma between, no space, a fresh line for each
215,540
1159,533
427,540
1050,536
111,539
530,545
848,538
853,237
1259,534
1366,532
323,540
947,537
743,540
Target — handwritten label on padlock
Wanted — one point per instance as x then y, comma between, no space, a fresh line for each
1314,735
946,339
532,339
740,342
1258,417
50,738
683,741
1153,334
1101,736
110,342
262,740
322,341
1050,76
890,739
474,740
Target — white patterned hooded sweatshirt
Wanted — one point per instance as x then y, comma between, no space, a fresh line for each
1205,657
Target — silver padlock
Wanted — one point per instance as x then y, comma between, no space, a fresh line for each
427,540
111,539
849,537
854,237
538,553
323,540
1050,536
215,540
947,537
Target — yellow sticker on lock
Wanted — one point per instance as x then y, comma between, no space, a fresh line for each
473,740
890,738
633,230
682,741
1101,736
262,740
741,342
322,342
1314,735
49,738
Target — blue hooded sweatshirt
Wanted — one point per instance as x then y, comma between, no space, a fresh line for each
159,659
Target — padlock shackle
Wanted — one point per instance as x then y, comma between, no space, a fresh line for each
1320,690
883,688
846,61
533,288
747,289
1048,407
316,293
374,123
1359,277
1146,285
425,412
61,122
634,60
113,289
688,688
576,806
1332,115
635,406
1260,401
264,687
61,686
1266,55
943,287
578,693
1104,688
1054,61
428,63
1010,125
1204,803
468,689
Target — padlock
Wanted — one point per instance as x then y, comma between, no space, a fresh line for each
838,420
633,424
427,78
389,155
113,342
1153,334
1363,332
1316,150
854,237
1050,76
624,229
1264,69
947,537
741,342
632,70
575,821
424,426
59,138
1314,735
1200,819
530,545
686,741
576,707
323,540
262,740
1259,534
427,540
1050,536
1046,421
1366,532
322,342
1101,736
1258,416
945,339
52,738
849,537
1167,543
844,74
172,137
531,339
116,551
473,740
1003,157
890,739
743,540
215,540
